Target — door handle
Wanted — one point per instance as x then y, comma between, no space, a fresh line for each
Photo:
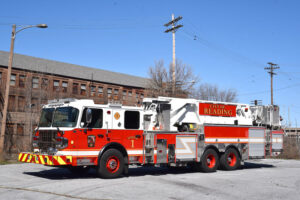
138,136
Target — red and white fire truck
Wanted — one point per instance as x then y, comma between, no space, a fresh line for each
206,135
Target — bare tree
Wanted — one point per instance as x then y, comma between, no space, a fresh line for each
213,93
160,80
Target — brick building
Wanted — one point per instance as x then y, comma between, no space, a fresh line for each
34,81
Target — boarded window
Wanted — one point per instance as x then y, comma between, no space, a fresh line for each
20,129
64,86
21,104
132,120
83,89
11,103
109,92
56,85
12,79
44,83
75,88
100,91
124,94
116,94
22,79
35,82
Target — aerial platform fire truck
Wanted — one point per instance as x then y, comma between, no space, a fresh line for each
206,135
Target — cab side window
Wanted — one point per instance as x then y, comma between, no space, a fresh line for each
97,118
132,120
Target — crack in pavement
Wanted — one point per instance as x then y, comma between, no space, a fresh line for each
45,192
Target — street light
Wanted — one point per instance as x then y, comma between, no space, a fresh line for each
4,112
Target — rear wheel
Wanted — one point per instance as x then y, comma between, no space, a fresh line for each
230,160
111,164
209,161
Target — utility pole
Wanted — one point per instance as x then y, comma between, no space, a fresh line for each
173,29
10,61
271,72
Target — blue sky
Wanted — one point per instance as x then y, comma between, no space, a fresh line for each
234,40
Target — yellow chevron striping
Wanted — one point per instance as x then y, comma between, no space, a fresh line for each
28,158
20,156
70,158
42,160
61,161
36,160
49,162
24,158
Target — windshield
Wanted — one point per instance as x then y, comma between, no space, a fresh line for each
46,117
59,117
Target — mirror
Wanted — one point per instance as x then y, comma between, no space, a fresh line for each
88,116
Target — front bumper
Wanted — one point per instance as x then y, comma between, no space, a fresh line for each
45,159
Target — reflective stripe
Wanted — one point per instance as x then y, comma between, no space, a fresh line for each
135,152
78,153
236,140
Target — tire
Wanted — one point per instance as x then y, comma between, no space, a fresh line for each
111,164
79,170
209,161
230,160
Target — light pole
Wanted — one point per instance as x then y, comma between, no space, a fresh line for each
4,112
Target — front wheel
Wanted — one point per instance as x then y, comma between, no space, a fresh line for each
111,164
230,160
209,161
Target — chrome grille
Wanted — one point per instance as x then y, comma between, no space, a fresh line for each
47,139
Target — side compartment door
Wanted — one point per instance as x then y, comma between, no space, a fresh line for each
257,143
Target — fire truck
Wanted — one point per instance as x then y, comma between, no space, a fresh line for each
205,135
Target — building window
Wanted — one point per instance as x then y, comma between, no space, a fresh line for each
142,96
75,88
109,91
130,94
55,85
124,94
44,83
93,90
20,129
83,89
22,81
12,80
116,93
0,77
137,96
64,86
21,104
35,82
11,103
100,91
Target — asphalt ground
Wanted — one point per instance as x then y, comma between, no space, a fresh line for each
258,179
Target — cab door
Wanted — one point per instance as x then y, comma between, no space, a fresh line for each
91,135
